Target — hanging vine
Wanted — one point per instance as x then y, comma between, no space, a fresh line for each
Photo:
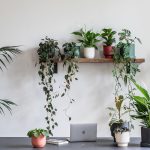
71,54
48,53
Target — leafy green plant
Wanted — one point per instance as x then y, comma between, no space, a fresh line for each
48,53
108,36
37,132
125,37
71,50
71,63
6,55
88,38
120,129
141,105
117,113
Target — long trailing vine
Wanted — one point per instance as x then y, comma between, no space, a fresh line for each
71,54
124,67
48,52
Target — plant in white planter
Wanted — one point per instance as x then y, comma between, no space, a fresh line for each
141,106
117,115
122,136
88,39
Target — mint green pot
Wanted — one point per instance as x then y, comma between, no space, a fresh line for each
129,51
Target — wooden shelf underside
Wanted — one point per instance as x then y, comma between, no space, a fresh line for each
106,60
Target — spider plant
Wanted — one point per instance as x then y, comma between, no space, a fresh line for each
6,56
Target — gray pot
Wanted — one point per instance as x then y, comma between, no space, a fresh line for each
145,137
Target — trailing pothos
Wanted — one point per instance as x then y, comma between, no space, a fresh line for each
124,66
48,53
71,54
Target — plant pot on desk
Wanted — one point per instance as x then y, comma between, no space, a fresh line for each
145,137
122,138
38,142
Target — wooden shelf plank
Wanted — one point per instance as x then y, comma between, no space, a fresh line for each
106,60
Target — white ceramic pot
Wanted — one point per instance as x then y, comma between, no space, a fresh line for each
122,139
89,52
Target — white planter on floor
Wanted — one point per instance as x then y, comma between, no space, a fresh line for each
122,139
89,52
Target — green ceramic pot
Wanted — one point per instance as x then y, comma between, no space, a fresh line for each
128,51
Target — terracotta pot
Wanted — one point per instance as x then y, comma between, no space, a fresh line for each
39,142
108,51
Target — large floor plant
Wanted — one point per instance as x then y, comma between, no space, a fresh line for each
6,56
48,53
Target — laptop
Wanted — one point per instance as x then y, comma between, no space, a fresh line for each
83,132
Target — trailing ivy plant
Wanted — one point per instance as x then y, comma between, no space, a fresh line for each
124,66
6,56
71,55
48,53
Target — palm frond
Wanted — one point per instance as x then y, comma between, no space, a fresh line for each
6,55
6,104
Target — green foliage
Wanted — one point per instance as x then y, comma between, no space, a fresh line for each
71,50
7,105
6,55
117,113
108,36
48,53
142,105
87,38
37,132
125,39
71,63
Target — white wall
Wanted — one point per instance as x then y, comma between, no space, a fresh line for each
25,22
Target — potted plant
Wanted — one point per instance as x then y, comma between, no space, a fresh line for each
88,39
122,136
71,50
126,44
141,105
108,40
116,116
38,137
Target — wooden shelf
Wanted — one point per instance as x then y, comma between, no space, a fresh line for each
106,60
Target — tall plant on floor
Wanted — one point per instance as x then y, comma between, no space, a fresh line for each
48,53
141,105
6,56
71,55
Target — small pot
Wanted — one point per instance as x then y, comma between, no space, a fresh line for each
39,142
108,51
128,51
89,52
118,125
122,138
145,137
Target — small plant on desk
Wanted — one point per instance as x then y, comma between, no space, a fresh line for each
38,137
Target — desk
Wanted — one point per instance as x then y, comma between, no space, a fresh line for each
24,143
